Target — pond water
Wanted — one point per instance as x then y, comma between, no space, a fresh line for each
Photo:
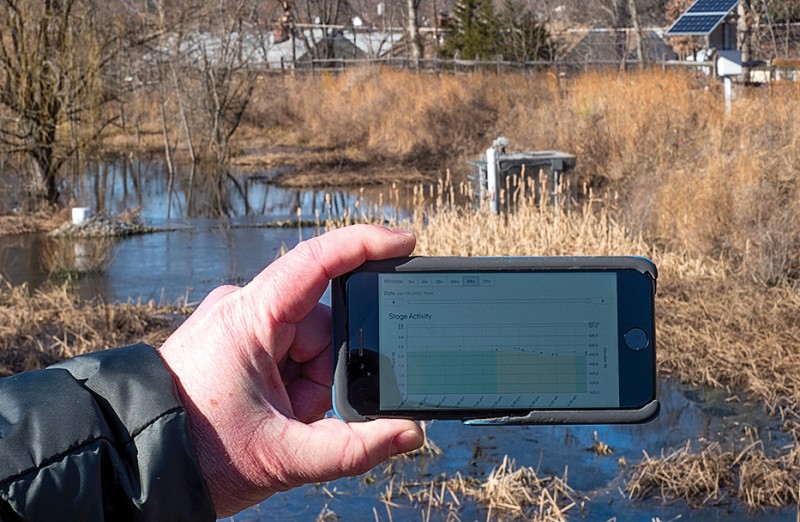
226,239
688,413
200,252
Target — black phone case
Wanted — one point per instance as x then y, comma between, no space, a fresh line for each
346,412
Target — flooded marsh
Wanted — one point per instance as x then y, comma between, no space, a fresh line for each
714,452
713,201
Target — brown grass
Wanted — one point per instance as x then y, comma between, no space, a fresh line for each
697,478
714,475
716,326
42,327
690,178
508,493
727,333
26,223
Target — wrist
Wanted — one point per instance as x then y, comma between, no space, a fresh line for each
215,468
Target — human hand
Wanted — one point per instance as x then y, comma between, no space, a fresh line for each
253,367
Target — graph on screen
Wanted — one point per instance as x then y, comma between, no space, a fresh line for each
487,359
498,340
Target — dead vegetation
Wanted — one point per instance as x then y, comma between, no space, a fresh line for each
508,493
714,201
716,475
26,223
727,333
717,325
697,478
47,325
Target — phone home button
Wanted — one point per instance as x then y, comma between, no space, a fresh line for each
636,339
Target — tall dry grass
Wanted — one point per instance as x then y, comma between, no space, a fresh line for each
383,114
690,177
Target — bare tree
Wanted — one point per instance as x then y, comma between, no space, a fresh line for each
412,28
744,33
227,73
637,32
54,56
326,14
778,16
210,64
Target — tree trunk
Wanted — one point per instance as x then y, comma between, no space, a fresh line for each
744,34
415,45
637,32
45,164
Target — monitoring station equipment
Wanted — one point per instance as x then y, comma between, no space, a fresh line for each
716,20
498,176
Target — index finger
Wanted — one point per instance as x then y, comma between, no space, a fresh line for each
293,284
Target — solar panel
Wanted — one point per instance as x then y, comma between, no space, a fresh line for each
702,17
712,6
700,24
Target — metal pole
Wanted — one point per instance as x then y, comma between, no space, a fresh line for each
728,88
555,193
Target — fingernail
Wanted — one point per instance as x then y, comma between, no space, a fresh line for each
402,232
407,441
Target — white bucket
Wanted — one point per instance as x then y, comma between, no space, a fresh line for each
80,214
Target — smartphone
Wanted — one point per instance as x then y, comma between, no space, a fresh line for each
497,340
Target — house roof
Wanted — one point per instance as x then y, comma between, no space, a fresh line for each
608,45
339,48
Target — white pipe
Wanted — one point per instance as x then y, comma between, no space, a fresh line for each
491,180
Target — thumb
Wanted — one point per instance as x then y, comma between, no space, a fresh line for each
332,448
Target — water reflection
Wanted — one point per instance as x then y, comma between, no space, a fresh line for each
129,184
185,263
67,257
201,251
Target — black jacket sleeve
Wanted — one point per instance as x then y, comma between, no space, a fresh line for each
98,437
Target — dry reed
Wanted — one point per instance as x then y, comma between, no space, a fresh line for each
42,327
716,326
692,179
697,478
507,493
714,475
27,223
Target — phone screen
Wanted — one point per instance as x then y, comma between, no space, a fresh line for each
498,340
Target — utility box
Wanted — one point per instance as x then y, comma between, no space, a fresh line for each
729,63
503,179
